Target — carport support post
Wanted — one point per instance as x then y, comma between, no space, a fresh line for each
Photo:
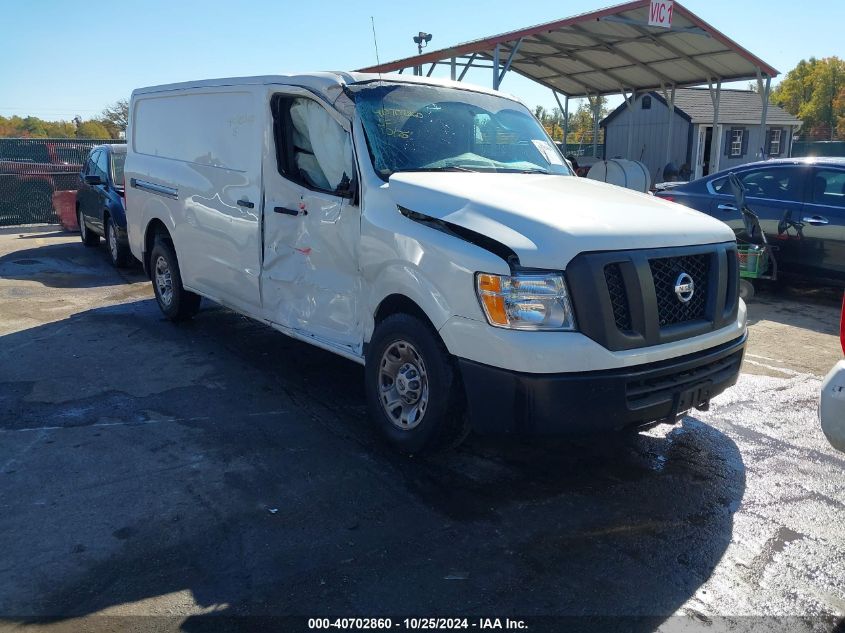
596,103
496,68
454,69
670,100
764,95
629,105
716,139
566,124
564,110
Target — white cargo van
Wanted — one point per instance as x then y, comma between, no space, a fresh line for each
431,231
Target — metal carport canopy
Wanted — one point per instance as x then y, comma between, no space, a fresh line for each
604,52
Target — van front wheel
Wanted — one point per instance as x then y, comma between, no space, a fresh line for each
413,390
175,302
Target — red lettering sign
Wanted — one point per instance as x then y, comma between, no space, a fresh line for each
660,13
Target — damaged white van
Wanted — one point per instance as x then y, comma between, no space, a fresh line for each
431,231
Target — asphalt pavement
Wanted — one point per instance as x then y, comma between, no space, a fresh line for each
161,475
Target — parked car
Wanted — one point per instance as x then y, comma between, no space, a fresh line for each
801,204
432,232
100,202
32,172
832,405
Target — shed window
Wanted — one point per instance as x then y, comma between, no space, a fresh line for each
774,142
736,142
647,103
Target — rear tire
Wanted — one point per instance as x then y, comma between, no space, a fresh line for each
175,302
89,238
118,252
414,391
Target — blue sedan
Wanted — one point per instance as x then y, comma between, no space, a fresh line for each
801,204
100,202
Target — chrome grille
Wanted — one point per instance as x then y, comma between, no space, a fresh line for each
666,271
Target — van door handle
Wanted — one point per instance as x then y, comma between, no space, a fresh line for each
246,203
726,207
816,220
287,211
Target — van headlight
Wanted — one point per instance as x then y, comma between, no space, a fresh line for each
526,301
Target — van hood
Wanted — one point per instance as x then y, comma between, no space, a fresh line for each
547,220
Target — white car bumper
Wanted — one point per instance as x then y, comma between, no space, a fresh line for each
832,406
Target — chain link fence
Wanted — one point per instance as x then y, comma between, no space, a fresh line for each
31,170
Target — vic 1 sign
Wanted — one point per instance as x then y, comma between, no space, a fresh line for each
660,13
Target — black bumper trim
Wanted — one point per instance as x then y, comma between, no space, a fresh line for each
502,401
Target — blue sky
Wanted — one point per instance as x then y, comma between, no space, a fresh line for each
61,57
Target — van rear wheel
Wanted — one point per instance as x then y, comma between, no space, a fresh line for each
175,302
414,392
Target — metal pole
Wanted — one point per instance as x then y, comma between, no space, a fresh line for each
629,104
566,124
764,95
454,69
596,112
496,68
564,112
670,99
716,139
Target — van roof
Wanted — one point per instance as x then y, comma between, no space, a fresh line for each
320,82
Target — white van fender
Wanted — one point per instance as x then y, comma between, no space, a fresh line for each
407,282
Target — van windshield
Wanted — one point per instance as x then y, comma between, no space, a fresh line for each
430,128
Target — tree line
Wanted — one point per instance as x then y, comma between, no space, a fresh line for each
581,123
108,125
814,91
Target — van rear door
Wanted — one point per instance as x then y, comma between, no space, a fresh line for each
310,280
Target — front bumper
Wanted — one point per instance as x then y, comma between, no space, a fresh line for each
501,401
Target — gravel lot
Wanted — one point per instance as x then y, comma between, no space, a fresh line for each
218,467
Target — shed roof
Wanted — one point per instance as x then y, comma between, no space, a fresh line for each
736,106
607,51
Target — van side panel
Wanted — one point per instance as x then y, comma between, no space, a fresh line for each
195,163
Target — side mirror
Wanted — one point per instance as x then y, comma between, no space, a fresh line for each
93,179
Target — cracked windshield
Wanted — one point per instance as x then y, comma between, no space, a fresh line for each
424,128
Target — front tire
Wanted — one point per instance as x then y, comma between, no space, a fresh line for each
414,392
746,290
118,252
89,238
175,302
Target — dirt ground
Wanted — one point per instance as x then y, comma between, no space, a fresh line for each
160,476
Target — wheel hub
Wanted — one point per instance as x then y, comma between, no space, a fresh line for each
408,383
164,280
403,385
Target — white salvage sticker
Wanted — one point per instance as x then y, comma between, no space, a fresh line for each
548,152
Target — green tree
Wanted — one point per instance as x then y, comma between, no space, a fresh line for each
115,117
92,129
811,92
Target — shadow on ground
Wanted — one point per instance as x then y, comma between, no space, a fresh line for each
797,304
63,265
220,465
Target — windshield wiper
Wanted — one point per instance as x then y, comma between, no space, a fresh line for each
449,168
